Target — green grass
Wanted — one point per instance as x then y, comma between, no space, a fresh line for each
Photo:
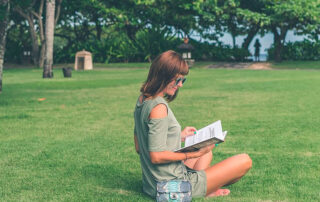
296,65
77,145
198,64
124,65
131,65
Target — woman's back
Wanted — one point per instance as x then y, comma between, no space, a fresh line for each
156,135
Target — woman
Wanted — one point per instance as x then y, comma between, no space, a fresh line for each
157,134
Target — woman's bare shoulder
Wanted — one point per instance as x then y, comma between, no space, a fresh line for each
159,111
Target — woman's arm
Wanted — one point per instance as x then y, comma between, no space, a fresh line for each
136,144
169,156
166,157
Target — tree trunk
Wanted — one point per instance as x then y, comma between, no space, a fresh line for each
279,39
58,9
42,54
50,21
29,16
98,29
34,39
5,6
233,40
253,31
42,34
35,45
38,15
98,26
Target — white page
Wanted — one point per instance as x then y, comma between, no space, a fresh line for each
189,140
212,130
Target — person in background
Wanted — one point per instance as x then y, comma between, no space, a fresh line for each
157,134
257,46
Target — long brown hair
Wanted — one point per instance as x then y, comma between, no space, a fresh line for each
163,70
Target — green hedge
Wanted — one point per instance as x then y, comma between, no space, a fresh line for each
299,50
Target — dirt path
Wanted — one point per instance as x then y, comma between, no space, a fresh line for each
260,65
242,65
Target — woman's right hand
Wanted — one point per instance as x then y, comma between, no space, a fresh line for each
200,152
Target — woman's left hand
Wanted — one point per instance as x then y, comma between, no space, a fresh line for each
188,131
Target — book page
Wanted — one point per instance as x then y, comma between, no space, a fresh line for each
210,131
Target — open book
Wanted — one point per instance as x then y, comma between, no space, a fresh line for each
211,134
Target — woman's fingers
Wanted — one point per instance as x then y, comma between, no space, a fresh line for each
205,150
190,130
209,148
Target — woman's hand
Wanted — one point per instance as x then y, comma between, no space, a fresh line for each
188,131
200,152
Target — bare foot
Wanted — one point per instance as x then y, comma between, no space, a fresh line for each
219,192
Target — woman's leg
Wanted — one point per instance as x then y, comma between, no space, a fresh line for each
226,172
200,163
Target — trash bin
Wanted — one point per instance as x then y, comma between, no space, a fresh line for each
67,71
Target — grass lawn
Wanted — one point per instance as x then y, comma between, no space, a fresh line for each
77,144
296,65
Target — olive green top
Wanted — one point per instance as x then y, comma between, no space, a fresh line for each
155,135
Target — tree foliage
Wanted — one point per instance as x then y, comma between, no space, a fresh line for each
285,15
138,30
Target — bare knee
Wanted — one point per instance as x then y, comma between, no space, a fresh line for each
206,157
246,162
209,155
203,162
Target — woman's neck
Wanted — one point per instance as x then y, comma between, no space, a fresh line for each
161,94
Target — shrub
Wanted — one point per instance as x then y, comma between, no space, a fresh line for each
218,52
299,50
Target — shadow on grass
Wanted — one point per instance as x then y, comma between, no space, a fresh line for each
115,178
70,84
